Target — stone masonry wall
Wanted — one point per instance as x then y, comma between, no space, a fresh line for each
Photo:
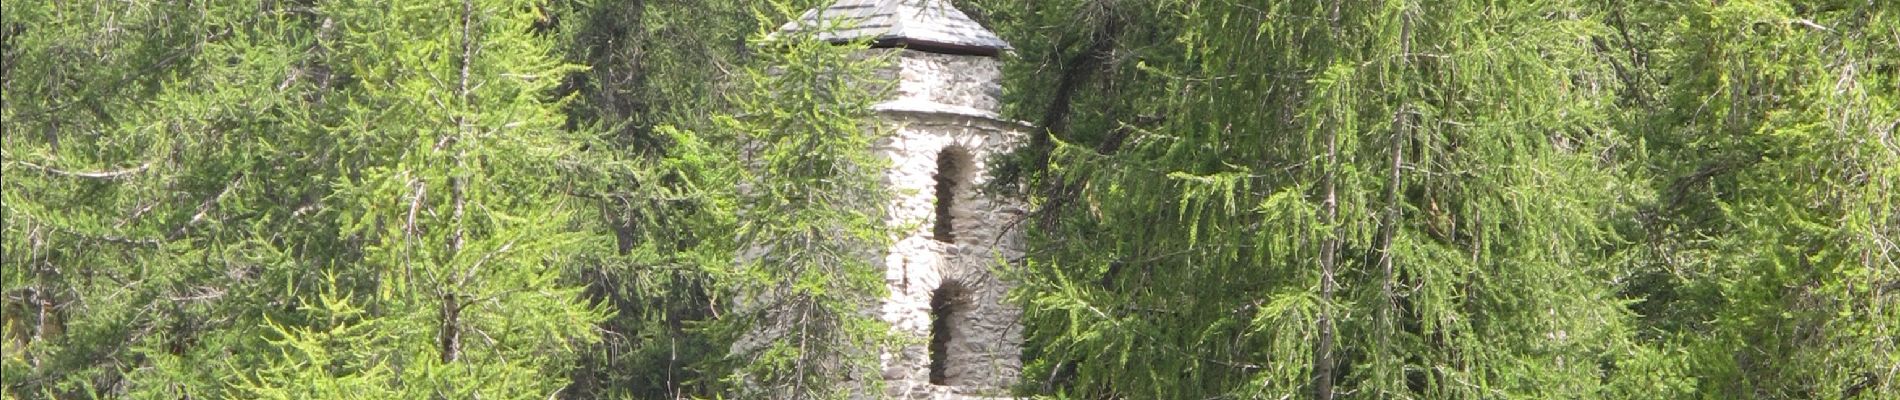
966,84
943,102
984,353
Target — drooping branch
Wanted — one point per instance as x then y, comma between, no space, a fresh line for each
1404,121
1680,189
1078,69
1630,86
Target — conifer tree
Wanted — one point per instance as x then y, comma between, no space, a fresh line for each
1355,199
660,199
1767,257
811,226
657,71
281,200
455,198
158,196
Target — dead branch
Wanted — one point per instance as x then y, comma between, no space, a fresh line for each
104,175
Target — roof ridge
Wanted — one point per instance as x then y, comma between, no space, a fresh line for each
927,25
897,22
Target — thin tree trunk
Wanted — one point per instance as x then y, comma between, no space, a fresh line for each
1328,264
1402,126
451,330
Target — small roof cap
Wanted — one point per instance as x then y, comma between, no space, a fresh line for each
927,25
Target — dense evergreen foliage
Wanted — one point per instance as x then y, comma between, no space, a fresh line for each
657,199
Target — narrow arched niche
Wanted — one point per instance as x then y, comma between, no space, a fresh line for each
949,305
953,178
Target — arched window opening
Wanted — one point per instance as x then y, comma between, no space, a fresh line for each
953,170
948,305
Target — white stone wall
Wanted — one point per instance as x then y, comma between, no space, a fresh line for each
942,101
985,353
967,84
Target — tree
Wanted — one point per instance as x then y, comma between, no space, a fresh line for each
1327,200
661,199
350,199
656,71
143,210
1766,256
812,227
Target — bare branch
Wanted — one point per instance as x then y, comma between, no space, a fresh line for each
1810,23
106,175
469,273
206,206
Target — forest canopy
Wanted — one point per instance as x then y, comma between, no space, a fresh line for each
1300,199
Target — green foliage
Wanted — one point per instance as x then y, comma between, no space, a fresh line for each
1480,200
281,200
658,199
664,193
1767,257
811,220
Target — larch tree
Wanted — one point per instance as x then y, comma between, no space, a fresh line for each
1305,199
1768,258
157,195
810,225
657,71
455,193
1326,199
289,200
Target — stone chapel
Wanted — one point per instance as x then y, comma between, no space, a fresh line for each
944,127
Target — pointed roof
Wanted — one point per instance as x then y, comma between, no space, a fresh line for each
927,25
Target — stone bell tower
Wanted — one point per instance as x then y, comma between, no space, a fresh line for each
952,236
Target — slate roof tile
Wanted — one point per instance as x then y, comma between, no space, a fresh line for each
912,23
